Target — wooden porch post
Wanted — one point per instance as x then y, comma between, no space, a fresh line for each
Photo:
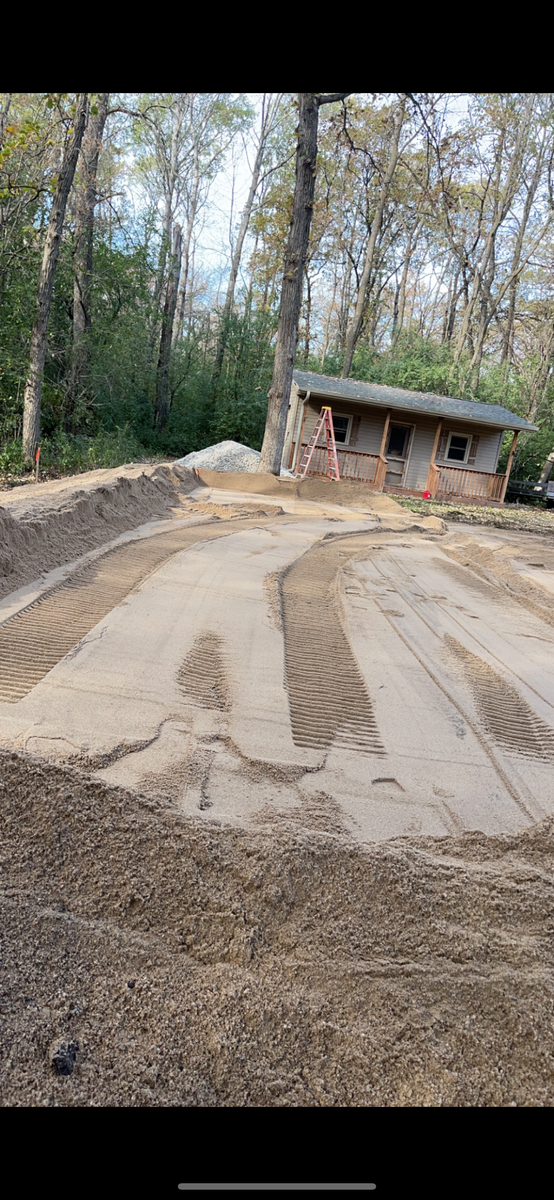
385,431
431,474
298,447
382,464
509,464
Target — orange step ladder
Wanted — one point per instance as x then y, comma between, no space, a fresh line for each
324,421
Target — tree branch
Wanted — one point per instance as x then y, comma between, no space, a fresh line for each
332,98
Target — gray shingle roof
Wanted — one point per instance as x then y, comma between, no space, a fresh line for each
423,402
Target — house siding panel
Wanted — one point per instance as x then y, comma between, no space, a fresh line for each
370,432
490,441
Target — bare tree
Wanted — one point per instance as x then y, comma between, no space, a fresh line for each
355,324
209,140
502,197
309,104
400,305
33,386
270,109
192,206
170,152
186,134
531,185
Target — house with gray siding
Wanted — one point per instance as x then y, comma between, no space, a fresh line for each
403,441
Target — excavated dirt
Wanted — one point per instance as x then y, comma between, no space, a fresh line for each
51,524
43,527
345,491
153,961
225,915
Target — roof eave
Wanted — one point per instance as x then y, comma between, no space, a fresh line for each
431,412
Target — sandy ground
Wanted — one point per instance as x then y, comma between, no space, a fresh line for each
254,746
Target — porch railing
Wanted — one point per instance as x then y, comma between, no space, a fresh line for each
444,482
463,484
367,468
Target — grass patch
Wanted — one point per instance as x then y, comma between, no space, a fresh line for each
513,516
71,455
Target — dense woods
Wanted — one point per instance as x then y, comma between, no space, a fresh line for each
145,244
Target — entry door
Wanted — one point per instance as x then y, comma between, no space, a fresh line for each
397,453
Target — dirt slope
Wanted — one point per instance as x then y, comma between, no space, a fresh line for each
151,960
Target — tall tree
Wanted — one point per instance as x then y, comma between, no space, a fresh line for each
213,122
309,104
166,131
270,109
163,393
482,212
192,204
33,387
400,297
182,139
355,325
86,199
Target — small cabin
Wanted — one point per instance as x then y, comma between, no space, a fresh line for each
402,441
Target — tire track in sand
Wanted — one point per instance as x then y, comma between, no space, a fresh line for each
202,676
38,637
513,724
329,702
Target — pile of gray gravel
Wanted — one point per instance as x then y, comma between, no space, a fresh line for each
225,456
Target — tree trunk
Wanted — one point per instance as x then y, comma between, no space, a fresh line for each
4,115
267,124
541,376
291,291
508,338
269,114
33,386
325,342
82,258
485,272
182,295
437,296
547,469
452,298
189,311
489,305
355,325
169,175
162,376
307,332
400,304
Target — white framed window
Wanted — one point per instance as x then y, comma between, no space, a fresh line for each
457,449
342,425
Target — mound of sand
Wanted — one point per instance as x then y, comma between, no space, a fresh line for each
43,527
347,491
154,960
46,526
